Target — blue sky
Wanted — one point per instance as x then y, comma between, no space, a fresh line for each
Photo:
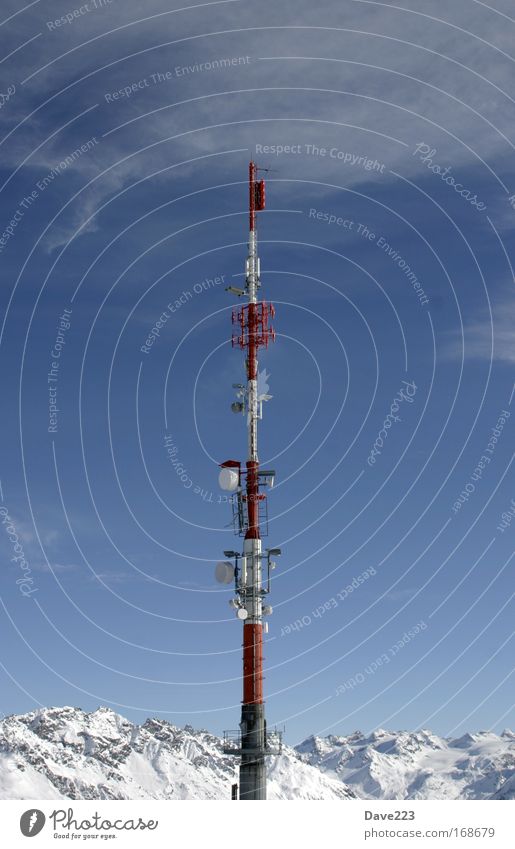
130,132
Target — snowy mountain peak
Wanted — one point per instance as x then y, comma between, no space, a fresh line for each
418,764
68,753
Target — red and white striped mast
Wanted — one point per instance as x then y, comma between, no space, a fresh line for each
253,331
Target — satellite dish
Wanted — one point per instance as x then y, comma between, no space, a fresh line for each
224,572
228,479
242,613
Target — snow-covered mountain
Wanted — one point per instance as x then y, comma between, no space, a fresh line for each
417,765
66,753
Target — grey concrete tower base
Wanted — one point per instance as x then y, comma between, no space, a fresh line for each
253,746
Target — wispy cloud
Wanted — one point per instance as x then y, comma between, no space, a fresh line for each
485,338
116,577
56,567
369,75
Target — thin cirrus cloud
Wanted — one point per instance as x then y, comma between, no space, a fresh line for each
484,338
390,62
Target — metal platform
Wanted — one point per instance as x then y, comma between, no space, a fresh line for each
240,516
232,744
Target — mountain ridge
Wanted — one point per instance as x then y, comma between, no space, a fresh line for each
68,753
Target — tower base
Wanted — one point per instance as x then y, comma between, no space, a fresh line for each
253,748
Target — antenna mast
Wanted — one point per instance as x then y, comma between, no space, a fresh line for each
251,331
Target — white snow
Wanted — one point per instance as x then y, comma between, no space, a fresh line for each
416,765
66,753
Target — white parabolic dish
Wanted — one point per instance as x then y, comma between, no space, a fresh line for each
224,572
228,479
